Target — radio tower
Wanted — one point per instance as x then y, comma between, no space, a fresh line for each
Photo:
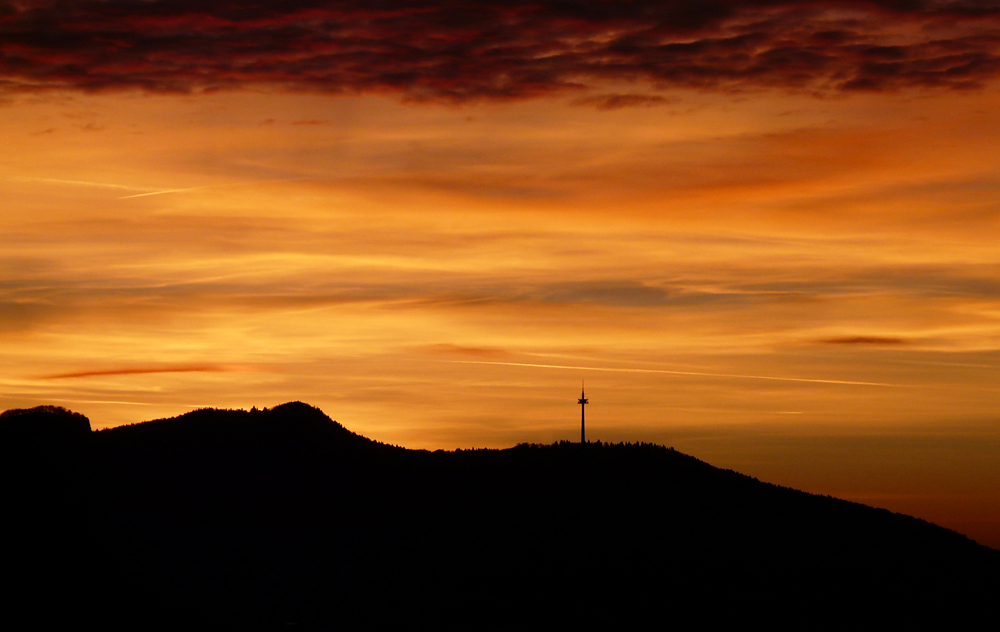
583,405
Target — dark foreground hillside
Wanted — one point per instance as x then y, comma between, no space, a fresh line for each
267,518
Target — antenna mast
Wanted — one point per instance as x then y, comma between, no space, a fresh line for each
583,401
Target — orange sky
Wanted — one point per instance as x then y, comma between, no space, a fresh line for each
800,283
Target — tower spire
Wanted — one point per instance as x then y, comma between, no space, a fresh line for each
583,401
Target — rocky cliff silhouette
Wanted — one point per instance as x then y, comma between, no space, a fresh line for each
222,518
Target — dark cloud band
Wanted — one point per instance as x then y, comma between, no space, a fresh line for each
142,370
450,50
881,341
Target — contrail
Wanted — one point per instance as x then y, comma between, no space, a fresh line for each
82,183
145,190
164,192
207,186
694,373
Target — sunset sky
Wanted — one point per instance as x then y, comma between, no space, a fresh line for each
766,233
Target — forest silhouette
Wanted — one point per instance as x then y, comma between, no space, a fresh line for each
265,518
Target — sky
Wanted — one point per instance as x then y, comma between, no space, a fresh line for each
763,232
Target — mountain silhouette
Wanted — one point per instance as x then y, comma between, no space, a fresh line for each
261,519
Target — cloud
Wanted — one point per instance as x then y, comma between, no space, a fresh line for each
880,341
619,101
623,293
141,370
17,316
459,51
460,350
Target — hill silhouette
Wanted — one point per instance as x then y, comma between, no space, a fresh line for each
225,518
